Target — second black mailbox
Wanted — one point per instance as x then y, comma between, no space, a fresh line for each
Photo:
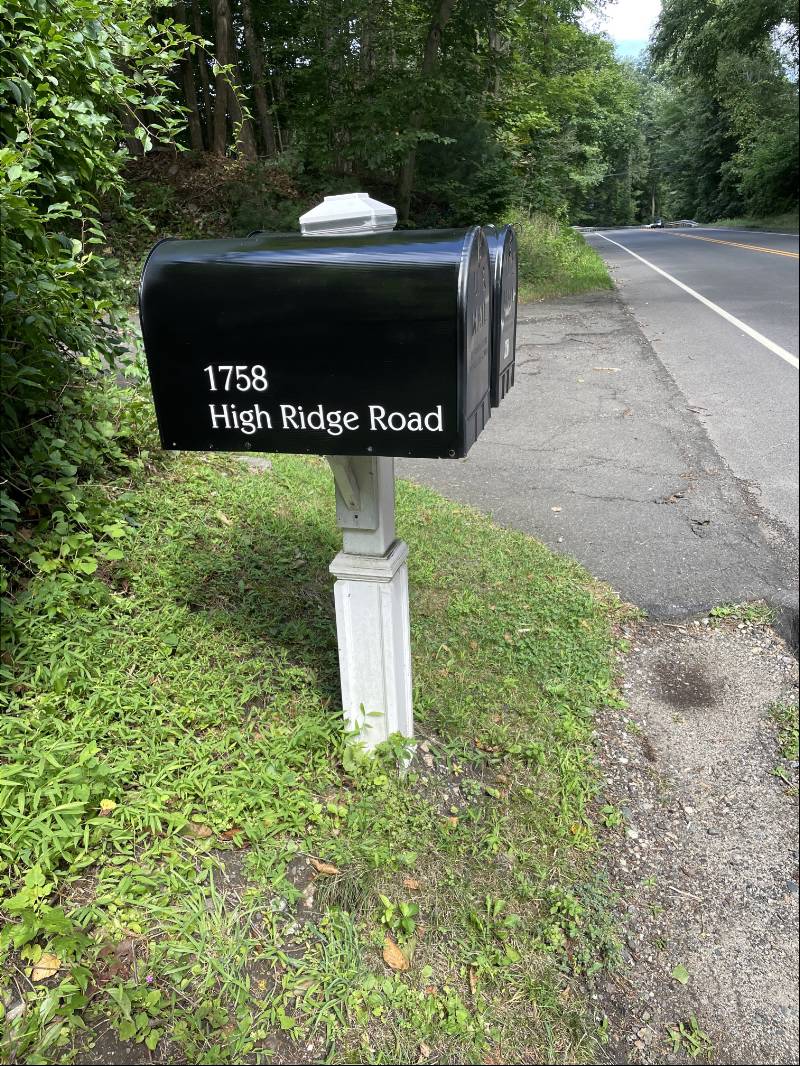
503,255
365,345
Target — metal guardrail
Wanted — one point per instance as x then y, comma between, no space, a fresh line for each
681,223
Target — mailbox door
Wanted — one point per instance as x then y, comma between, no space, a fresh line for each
475,319
503,255
505,320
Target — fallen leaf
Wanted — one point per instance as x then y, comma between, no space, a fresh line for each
424,1051
681,974
229,834
197,829
47,966
473,980
411,884
223,518
393,956
452,820
326,868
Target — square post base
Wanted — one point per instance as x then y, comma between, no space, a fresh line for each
372,627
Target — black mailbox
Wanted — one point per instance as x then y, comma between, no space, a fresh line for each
503,336
375,344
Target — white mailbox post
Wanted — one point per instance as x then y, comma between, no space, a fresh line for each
371,590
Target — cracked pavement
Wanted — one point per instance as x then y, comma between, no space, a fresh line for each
598,453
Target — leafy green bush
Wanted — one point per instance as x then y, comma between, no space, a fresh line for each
555,260
85,82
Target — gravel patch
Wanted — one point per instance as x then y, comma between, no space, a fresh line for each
705,855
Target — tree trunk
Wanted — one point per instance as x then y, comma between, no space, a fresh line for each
202,63
259,84
222,16
189,88
430,55
226,86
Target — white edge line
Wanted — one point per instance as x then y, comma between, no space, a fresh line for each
734,321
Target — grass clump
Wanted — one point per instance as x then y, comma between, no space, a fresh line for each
757,613
786,223
555,260
785,717
193,860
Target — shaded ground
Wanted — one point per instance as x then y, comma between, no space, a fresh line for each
706,857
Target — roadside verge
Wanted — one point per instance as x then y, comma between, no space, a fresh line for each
195,863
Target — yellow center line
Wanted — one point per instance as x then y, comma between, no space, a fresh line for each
736,244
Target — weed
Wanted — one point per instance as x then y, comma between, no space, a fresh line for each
756,614
399,918
785,717
611,816
691,1039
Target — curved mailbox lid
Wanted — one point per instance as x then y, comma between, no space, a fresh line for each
503,255
376,325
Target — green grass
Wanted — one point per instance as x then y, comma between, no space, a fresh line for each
785,223
756,613
785,717
555,260
173,753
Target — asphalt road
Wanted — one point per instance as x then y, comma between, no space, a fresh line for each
649,437
746,395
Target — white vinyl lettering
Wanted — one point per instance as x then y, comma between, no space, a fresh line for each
376,420
433,421
249,420
316,418
215,414
288,414
227,377
254,419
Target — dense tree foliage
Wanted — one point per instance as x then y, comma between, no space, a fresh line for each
727,124
82,81
451,108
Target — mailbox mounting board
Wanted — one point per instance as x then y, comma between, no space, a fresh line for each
340,345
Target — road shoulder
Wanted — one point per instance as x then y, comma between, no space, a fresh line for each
597,452
703,849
